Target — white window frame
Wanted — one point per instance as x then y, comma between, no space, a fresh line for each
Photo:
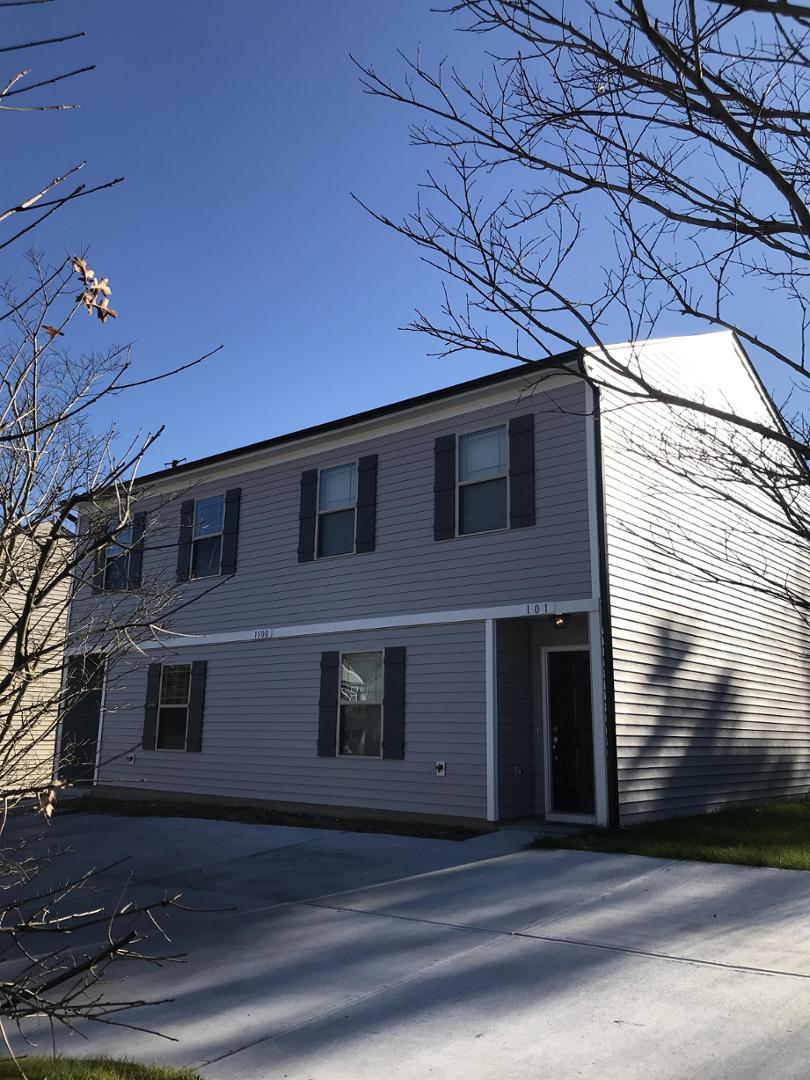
323,513
208,536
340,704
187,707
469,483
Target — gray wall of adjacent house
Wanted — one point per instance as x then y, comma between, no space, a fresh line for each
409,571
712,675
260,726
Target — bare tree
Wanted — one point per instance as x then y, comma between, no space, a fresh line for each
622,168
56,455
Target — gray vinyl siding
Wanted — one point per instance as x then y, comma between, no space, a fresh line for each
516,757
711,676
260,726
409,571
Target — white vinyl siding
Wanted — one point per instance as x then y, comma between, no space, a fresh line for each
712,678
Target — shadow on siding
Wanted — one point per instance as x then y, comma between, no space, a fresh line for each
695,741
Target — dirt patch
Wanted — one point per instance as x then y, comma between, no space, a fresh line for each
259,815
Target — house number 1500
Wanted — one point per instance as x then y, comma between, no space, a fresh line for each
260,635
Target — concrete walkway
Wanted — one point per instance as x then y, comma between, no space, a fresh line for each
350,956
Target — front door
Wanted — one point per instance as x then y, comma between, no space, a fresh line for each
80,720
570,730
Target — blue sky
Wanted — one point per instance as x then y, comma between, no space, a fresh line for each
241,139
241,131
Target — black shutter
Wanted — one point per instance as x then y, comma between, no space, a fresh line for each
307,516
365,525
150,712
394,703
195,707
444,487
230,531
521,471
184,540
328,705
136,551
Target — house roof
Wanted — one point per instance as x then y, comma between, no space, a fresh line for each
561,359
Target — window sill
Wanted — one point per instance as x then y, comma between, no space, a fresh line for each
482,532
340,555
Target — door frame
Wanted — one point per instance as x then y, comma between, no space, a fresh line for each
551,815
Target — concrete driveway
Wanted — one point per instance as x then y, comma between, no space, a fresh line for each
351,956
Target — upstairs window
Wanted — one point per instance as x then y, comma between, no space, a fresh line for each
360,700
116,560
209,535
119,562
206,536
337,507
175,695
483,470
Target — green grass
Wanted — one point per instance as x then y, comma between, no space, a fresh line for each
770,834
42,1068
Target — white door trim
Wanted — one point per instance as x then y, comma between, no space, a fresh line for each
550,814
600,745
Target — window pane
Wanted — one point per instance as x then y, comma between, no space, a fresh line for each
205,557
116,572
121,543
336,533
482,454
360,730
208,514
361,676
174,684
337,488
482,506
172,729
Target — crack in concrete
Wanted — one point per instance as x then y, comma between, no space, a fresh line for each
491,934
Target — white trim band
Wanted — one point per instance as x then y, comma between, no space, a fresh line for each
374,622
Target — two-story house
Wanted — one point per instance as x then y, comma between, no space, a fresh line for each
482,603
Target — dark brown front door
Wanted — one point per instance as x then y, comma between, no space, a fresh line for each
570,731
80,720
